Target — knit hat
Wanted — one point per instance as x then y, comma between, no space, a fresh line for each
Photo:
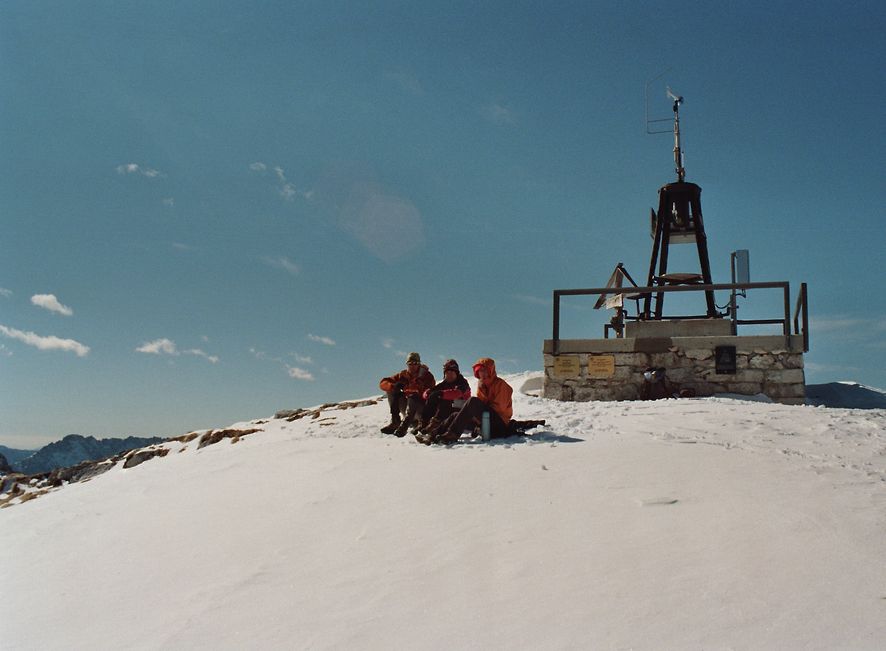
413,357
450,365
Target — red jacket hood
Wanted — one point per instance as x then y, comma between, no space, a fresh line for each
488,363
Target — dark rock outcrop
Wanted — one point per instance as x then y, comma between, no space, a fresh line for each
140,456
214,436
297,414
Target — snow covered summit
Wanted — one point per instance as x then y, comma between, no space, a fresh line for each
700,523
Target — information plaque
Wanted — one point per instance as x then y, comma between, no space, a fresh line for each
601,366
566,366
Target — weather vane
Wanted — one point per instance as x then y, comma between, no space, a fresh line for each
678,149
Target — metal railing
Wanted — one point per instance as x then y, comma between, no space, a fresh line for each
800,319
801,316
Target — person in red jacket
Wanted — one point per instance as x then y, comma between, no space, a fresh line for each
405,390
438,401
493,396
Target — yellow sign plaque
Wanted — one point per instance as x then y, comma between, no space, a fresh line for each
600,366
566,366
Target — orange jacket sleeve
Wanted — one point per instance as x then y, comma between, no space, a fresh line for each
498,396
387,383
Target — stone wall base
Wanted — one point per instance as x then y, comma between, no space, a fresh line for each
612,369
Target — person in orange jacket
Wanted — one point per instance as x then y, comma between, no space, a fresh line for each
405,390
493,396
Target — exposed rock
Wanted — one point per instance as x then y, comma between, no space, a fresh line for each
358,403
186,438
290,414
140,456
80,472
295,414
214,436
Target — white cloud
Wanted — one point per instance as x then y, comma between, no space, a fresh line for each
5,351
166,346
498,114
5,293
285,187
302,359
532,300
387,343
46,343
158,347
135,168
287,191
284,263
831,324
50,302
169,202
199,353
832,369
299,373
182,247
321,340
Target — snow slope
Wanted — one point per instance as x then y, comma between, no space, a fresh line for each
680,524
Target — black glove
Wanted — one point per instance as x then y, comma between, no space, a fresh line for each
399,386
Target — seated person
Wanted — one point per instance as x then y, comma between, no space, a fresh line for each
493,396
404,391
438,401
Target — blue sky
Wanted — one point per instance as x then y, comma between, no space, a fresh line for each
215,210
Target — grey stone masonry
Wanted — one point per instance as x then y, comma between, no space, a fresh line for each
612,369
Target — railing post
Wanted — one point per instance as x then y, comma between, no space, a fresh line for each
805,318
787,316
556,336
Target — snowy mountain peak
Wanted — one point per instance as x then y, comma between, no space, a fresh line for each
761,522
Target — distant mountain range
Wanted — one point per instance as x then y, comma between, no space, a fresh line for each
70,451
846,395
13,456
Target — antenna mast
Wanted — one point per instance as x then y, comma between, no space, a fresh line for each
678,151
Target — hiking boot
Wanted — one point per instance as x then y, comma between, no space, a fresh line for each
447,437
424,438
431,426
391,427
401,430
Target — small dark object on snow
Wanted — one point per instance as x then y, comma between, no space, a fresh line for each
655,384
